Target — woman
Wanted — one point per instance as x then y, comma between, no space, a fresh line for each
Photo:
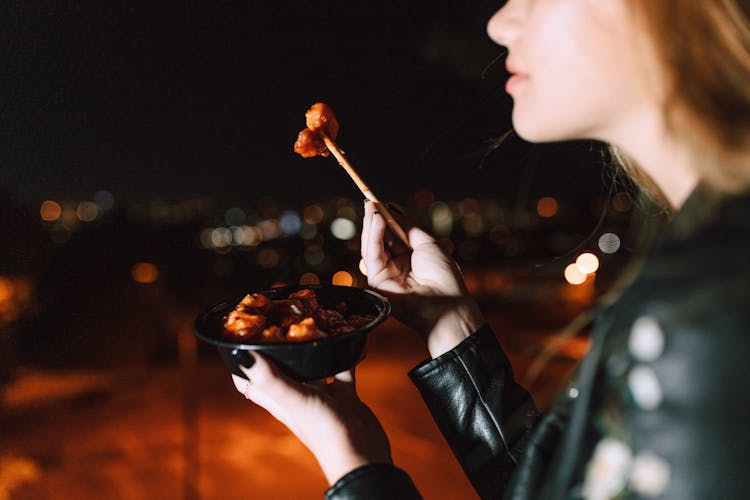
657,408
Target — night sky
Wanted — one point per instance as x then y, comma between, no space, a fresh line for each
170,99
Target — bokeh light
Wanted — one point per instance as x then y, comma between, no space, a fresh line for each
609,243
547,207
343,229
473,224
587,263
362,267
144,272
342,278
313,214
290,222
442,218
6,289
347,212
221,237
50,210
270,229
308,231
87,211
104,199
235,216
309,279
251,236
573,275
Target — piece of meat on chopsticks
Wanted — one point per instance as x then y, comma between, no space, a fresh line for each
309,144
320,118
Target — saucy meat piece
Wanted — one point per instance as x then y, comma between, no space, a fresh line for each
308,299
309,144
329,319
304,330
272,334
244,324
254,301
284,312
320,118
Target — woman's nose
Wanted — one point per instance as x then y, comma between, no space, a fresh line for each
505,25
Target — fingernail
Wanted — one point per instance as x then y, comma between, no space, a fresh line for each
246,360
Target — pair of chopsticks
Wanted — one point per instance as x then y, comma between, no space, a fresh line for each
364,188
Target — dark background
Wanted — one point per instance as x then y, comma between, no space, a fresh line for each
165,99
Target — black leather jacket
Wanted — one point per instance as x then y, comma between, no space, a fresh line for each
657,409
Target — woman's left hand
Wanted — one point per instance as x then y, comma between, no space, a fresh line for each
329,418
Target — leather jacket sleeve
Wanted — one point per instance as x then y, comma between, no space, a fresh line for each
374,482
484,415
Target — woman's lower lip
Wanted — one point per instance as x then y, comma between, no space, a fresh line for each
514,82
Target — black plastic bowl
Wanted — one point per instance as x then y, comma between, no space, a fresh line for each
303,361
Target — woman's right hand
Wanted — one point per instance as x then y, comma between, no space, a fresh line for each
424,285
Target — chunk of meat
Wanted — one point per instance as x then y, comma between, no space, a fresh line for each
328,319
284,312
244,324
308,299
309,144
304,330
320,118
272,334
254,301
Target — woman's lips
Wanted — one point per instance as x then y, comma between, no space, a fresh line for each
516,81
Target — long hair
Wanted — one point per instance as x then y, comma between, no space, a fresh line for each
703,50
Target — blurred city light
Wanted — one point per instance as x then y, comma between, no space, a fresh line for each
221,237
235,216
238,235
309,279
144,272
313,214
347,212
270,229
104,199
362,267
6,289
308,231
609,243
87,211
50,210
342,278
251,236
587,263
290,222
442,218
343,229
573,275
547,207
473,224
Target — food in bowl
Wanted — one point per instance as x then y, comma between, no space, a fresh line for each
297,318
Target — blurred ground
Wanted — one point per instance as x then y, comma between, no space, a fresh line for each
152,433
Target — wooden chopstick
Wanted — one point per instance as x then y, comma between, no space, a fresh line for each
364,188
